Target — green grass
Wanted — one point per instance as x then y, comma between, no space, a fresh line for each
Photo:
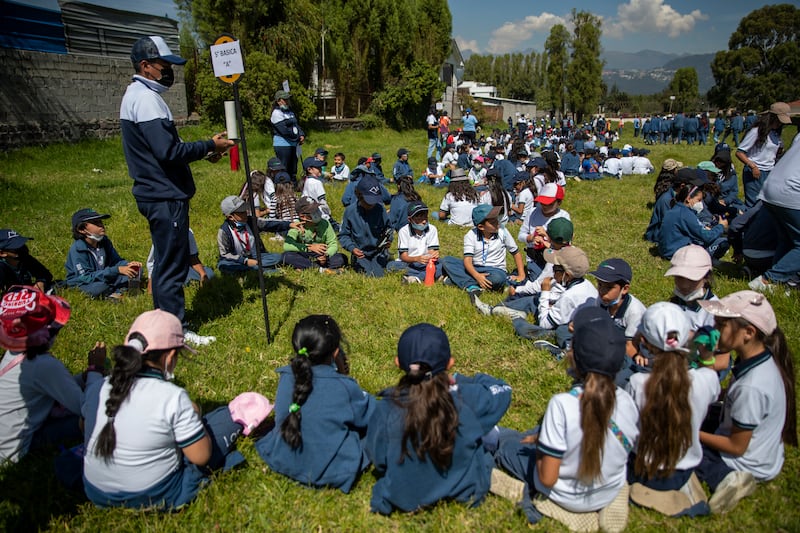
40,189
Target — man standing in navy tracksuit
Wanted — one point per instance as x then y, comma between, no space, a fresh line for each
158,161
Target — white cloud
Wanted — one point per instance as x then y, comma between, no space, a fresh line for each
650,16
464,44
511,35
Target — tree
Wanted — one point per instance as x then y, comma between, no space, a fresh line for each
557,51
684,87
762,63
585,70
617,100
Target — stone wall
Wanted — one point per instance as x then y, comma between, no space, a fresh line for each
47,98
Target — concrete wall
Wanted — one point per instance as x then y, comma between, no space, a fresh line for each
46,98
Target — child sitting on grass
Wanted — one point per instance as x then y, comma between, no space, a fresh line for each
34,382
760,413
398,208
661,469
236,239
570,265
314,188
147,445
417,244
425,437
93,264
460,200
366,232
321,413
533,231
314,244
573,465
18,266
484,264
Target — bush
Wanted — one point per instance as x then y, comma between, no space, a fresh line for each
372,121
404,103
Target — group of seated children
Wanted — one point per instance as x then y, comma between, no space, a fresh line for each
431,437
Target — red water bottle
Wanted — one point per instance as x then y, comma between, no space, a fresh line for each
430,273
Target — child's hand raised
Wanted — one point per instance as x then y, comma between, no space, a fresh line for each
97,355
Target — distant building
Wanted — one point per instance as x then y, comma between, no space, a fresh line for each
477,89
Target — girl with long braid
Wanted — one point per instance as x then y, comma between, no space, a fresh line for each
146,444
321,413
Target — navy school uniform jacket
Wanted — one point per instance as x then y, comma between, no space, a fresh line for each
507,171
28,272
681,227
349,195
334,421
158,160
362,228
660,208
481,401
82,267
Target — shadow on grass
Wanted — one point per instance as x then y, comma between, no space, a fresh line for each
32,496
220,295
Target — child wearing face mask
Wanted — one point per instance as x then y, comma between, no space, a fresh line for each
236,239
417,244
691,270
93,264
681,226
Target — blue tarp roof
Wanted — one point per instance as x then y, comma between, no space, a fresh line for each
31,28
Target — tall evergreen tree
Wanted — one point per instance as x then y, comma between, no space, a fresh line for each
585,71
556,49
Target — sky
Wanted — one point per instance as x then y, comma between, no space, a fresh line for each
670,26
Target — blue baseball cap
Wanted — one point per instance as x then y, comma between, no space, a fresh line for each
484,211
613,270
154,47
11,240
598,345
426,344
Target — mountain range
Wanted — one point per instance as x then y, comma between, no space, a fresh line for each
647,71
650,71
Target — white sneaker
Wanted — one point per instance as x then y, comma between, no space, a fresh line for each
410,280
734,487
554,349
757,284
502,310
482,307
191,337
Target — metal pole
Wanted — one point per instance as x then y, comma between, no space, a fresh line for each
252,210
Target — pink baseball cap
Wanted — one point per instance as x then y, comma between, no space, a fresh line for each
691,262
750,305
161,331
249,409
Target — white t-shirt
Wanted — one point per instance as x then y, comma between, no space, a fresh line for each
525,197
642,165
704,390
535,220
763,156
460,210
340,174
613,167
626,163
152,425
553,313
314,189
449,158
415,244
631,316
782,187
756,400
561,436
489,252
28,392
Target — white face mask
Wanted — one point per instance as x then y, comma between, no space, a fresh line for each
692,296
697,207
93,237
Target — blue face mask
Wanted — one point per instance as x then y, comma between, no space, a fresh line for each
609,304
419,227
240,225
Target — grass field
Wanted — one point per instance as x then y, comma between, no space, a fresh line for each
41,187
